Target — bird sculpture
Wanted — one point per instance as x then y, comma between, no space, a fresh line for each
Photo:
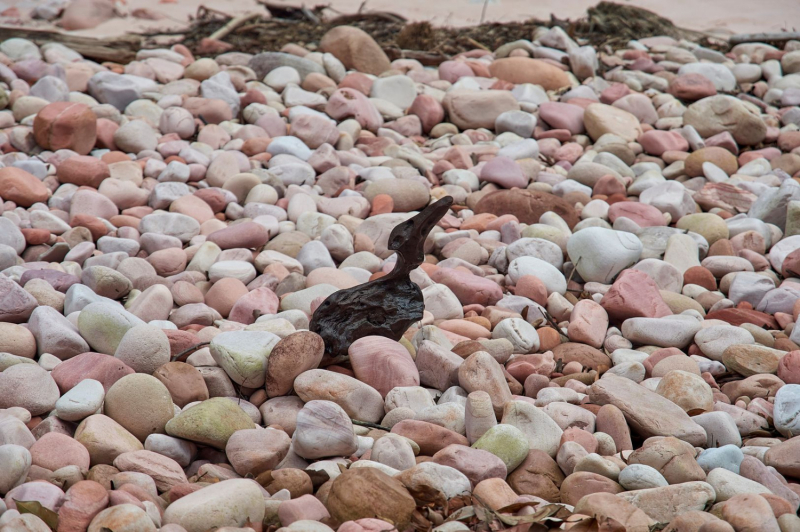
387,306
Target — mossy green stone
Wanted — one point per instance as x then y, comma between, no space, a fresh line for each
104,324
546,232
506,442
243,355
211,422
707,224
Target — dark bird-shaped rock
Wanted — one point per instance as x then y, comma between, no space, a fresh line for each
387,306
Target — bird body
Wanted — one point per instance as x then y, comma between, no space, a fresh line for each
387,306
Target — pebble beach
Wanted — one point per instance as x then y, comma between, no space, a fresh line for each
610,339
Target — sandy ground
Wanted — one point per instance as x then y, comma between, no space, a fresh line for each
721,17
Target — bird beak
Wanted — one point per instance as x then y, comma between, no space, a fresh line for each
430,216
408,238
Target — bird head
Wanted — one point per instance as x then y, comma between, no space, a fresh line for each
408,238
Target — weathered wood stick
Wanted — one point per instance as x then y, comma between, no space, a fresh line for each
118,49
764,37
232,24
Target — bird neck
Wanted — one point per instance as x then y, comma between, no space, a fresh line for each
402,268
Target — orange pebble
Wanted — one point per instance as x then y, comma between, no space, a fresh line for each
127,221
382,204
34,237
114,157
548,338
94,224
428,268
533,288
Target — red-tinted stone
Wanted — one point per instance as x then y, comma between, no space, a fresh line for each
738,316
103,368
701,277
634,294
691,87
66,125
430,438
643,214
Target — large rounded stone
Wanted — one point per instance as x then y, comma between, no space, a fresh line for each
211,422
527,205
140,403
519,70
230,503
144,348
355,49
30,387
105,439
383,363
599,254
122,518
253,451
15,461
243,355
291,356
104,324
369,493
721,113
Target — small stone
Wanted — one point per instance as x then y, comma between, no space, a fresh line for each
640,476
84,500
243,355
323,429
600,119
473,109
211,422
28,386
140,403
15,461
81,401
368,493
717,114
647,412
66,125
667,502
382,363
728,484
355,49
164,471
728,457
785,411
481,372
518,70
506,442
253,451
144,348
122,517
105,439
600,254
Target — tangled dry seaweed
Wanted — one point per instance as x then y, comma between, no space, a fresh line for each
606,24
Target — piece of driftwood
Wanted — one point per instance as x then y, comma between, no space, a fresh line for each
387,306
425,58
290,12
120,49
233,24
780,36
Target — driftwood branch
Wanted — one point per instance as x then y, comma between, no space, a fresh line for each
188,350
370,425
764,37
426,58
232,25
117,49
